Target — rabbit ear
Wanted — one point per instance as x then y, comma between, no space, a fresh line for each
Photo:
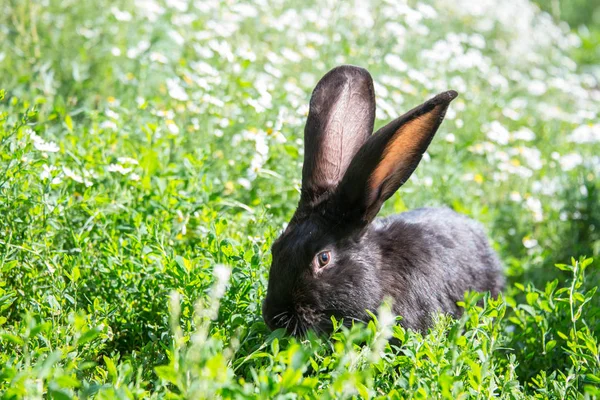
389,157
340,120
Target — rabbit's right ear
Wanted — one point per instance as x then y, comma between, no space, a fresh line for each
388,159
340,120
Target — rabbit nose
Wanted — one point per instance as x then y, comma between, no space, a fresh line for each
275,318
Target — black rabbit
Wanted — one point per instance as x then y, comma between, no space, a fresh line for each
335,258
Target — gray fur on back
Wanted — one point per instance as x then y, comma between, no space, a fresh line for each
433,255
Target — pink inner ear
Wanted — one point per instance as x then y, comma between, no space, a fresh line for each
345,129
400,153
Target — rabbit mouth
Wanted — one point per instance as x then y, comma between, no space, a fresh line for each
298,320
292,322
303,319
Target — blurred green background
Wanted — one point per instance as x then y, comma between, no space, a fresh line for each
146,144
583,16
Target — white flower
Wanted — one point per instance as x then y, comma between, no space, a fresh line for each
41,145
525,134
111,114
532,156
247,54
261,146
510,113
204,69
585,134
221,273
395,62
498,133
69,173
47,171
535,206
279,138
176,91
477,40
118,168
570,161
519,170
259,108
255,165
176,36
149,8
529,242
158,57
386,318
127,160
536,88
245,183
49,147
134,177
108,125
47,174
141,47
121,15
172,127
291,55
179,5
546,186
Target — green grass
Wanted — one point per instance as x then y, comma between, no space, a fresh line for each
150,153
583,16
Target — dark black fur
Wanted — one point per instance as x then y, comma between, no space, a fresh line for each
423,259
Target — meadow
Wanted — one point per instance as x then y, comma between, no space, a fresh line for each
150,153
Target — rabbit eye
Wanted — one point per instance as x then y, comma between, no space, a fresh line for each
323,258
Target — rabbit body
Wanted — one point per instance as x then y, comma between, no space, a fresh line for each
432,257
335,258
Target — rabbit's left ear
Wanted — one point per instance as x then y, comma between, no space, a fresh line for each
388,159
340,120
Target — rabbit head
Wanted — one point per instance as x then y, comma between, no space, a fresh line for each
327,262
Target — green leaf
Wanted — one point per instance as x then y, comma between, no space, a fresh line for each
167,373
474,375
562,335
67,381
292,151
564,267
592,378
41,327
59,394
184,264
69,123
111,368
532,297
586,262
49,363
12,338
550,345
363,390
88,336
